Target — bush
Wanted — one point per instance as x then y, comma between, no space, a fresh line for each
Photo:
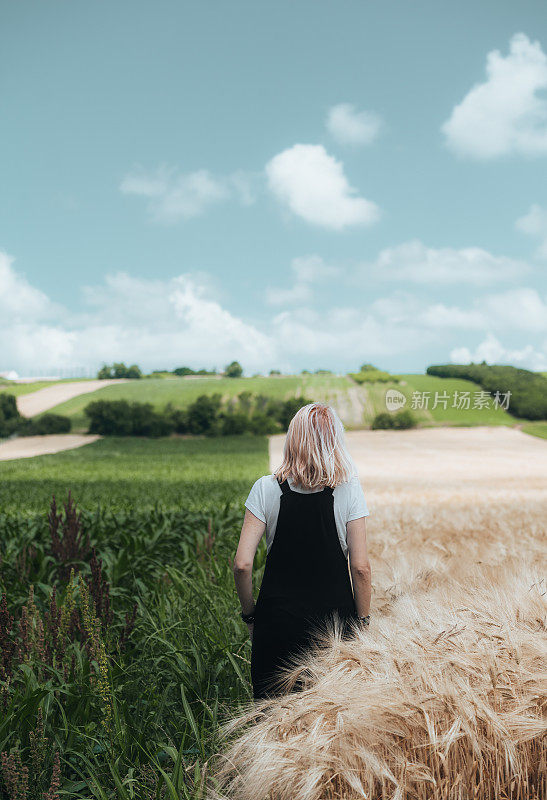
121,418
403,420
44,425
528,397
10,418
206,416
399,421
373,376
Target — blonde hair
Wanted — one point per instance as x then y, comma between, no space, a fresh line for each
315,453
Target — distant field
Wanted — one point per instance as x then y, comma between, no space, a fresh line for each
28,388
116,473
357,405
183,391
450,415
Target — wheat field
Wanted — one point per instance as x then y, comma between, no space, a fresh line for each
444,696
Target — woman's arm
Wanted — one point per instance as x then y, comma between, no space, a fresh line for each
251,534
359,564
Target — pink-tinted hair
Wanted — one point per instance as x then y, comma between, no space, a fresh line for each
315,453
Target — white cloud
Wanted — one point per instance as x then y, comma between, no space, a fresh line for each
314,186
521,309
504,114
534,223
308,271
493,351
18,298
166,323
150,322
174,196
413,261
349,126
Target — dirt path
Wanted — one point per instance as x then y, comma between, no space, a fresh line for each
37,402
445,465
29,446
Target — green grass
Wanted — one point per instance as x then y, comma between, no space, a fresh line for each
356,404
27,388
168,526
121,473
536,429
183,391
450,415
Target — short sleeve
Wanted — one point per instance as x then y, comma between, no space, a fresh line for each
357,506
255,500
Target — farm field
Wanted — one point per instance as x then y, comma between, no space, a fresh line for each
176,473
449,677
356,404
456,533
19,389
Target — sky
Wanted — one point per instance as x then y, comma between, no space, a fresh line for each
293,185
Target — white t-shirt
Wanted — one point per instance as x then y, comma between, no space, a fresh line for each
349,503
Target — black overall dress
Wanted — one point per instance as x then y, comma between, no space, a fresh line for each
306,580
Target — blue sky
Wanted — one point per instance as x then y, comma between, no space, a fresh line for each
291,184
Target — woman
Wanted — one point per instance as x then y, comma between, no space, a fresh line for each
313,511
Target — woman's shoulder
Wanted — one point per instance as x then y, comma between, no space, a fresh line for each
267,482
348,487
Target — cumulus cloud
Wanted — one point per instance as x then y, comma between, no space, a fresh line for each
534,223
19,300
521,309
165,323
506,113
413,261
308,271
313,185
125,318
174,196
349,126
493,351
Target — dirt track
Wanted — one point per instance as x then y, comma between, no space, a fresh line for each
37,402
29,446
445,465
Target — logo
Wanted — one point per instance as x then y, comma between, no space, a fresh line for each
394,400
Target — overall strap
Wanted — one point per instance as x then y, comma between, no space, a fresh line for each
284,486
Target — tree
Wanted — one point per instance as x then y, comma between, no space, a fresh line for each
133,372
104,373
233,370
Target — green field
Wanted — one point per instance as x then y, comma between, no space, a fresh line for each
178,473
27,388
183,391
128,713
356,404
450,415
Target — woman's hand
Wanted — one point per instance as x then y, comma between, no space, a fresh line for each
250,626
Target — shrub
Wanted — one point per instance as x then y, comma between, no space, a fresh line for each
372,376
10,418
44,425
203,413
400,421
206,416
109,417
403,419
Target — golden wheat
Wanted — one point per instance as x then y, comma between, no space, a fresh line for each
444,695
